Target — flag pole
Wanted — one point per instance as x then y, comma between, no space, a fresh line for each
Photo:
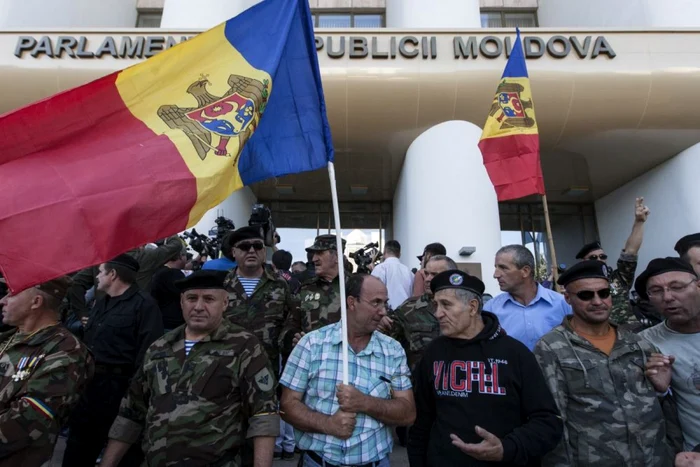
341,273
550,240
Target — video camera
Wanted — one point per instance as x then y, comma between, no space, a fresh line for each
262,217
368,254
202,244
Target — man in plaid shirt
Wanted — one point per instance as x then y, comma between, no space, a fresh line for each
349,425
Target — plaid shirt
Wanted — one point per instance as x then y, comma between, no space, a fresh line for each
315,368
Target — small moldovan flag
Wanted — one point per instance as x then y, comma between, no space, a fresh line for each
510,143
143,153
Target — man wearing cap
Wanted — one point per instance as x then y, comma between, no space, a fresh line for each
672,286
43,370
349,425
622,278
120,328
227,260
258,299
318,303
430,249
611,410
202,390
480,396
688,248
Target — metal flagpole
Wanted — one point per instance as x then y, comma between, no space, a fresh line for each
341,273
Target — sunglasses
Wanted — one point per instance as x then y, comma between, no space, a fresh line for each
587,295
245,246
602,257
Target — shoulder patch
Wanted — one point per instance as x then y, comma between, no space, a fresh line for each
264,380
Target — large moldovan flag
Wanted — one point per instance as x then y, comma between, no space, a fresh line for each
143,153
510,143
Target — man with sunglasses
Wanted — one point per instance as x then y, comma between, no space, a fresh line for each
611,409
672,287
622,278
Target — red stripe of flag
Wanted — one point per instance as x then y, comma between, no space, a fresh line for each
513,165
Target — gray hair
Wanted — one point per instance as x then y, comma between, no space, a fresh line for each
450,262
465,296
521,257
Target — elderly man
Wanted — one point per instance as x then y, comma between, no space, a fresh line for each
622,278
672,286
480,395
525,309
338,424
611,412
319,297
203,389
688,248
44,369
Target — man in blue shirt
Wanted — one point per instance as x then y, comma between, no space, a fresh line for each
226,262
526,310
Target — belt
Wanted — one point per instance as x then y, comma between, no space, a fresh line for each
324,463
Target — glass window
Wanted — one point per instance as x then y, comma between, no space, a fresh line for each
149,20
368,21
491,19
508,19
334,21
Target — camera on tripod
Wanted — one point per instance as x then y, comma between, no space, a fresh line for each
261,217
365,256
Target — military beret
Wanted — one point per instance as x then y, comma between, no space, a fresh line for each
126,261
660,266
587,249
433,249
686,243
244,233
590,269
456,279
202,279
325,242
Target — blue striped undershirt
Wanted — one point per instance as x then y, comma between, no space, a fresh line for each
249,285
188,346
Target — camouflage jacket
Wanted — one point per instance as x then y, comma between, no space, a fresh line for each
42,378
415,326
198,410
621,281
263,313
317,305
612,415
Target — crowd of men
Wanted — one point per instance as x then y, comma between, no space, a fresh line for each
241,362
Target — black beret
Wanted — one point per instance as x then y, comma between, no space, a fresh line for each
660,266
434,249
590,269
125,261
587,249
686,243
244,233
456,279
202,279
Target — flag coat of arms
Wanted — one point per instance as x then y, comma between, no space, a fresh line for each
510,143
143,153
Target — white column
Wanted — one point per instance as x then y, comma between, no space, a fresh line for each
671,192
444,195
36,14
201,13
236,207
438,14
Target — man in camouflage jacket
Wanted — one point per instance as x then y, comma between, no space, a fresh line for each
318,302
611,410
202,390
43,369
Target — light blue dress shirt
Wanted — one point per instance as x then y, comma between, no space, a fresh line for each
529,323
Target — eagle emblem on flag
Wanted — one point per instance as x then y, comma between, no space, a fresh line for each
215,121
509,108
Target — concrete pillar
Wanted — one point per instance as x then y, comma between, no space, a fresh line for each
441,14
202,14
37,14
444,195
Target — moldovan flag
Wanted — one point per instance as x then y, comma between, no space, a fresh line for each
510,143
143,153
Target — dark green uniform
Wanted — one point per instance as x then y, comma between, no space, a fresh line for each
415,326
264,312
41,378
198,410
621,281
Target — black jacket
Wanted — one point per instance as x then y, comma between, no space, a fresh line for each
492,381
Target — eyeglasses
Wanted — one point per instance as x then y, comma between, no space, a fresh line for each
674,289
587,295
602,257
245,246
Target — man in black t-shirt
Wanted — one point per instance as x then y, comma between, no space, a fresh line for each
164,292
